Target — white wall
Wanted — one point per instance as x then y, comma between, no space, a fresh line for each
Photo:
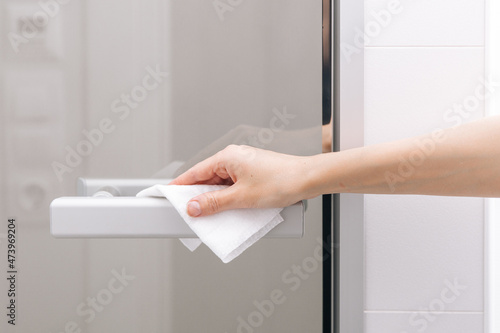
492,229
429,57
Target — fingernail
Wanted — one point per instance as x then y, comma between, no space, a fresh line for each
194,208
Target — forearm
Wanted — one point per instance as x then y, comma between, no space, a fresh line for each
462,161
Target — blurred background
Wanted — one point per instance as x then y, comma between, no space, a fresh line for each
166,83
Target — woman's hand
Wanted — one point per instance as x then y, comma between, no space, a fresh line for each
460,161
258,179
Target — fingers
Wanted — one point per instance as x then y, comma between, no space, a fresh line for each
220,169
200,173
213,202
213,170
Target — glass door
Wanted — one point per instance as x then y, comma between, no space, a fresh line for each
146,89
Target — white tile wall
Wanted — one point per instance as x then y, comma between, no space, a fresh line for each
408,91
413,323
426,23
415,243
429,57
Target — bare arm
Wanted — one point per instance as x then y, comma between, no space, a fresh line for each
462,161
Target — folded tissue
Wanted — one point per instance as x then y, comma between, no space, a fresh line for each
226,233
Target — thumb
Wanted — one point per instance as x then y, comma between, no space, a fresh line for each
212,202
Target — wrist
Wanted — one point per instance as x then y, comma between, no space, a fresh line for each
312,178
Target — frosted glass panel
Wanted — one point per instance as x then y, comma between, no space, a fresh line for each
146,89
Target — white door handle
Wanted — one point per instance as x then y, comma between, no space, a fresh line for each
132,217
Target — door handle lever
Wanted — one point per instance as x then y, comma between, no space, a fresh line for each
115,212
